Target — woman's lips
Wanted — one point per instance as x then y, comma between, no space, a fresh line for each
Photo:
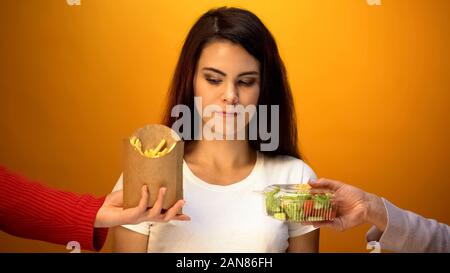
226,114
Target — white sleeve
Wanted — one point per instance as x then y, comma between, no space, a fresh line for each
297,229
306,174
144,227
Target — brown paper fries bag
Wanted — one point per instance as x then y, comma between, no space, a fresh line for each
165,171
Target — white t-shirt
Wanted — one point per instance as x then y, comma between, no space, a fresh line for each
229,218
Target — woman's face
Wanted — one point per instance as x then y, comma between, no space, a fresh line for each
226,76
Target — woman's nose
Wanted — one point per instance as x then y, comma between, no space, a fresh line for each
231,95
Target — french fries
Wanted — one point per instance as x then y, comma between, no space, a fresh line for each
158,151
303,187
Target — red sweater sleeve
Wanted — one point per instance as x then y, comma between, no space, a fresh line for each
33,211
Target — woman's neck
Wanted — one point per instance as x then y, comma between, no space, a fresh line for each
220,155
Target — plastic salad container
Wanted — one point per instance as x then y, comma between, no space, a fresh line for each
297,203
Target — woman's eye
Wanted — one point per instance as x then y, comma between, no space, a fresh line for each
213,81
246,83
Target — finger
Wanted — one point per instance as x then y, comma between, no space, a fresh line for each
143,203
134,215
156,209
326,225
322,224
173,211
336,224
181,217
326,183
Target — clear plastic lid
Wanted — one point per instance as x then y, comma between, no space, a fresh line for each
299,203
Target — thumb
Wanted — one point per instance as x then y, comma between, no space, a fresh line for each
326,184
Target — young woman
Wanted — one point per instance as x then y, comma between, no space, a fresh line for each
229,58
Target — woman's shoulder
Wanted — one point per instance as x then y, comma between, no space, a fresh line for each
289,165
283,160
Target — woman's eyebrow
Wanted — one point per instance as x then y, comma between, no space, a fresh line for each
214,70
248,73
224,74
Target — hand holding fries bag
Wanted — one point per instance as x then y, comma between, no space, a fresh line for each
153,156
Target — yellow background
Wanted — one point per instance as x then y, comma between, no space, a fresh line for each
371,87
